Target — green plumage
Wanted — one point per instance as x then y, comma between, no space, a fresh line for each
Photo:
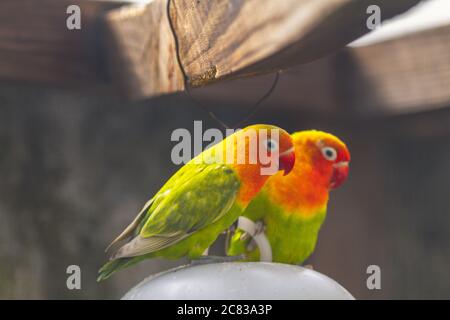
292,236
183,219
200,201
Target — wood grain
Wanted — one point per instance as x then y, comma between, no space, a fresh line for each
256,36
405,75
141,50
224,39
36,46
130,47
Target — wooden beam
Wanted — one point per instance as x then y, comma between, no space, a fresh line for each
225,39
400,76
36,46
131,46
141,50
406,75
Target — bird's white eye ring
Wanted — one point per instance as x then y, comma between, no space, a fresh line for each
271,145
329,153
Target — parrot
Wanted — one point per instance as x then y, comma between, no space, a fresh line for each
202,199
291,210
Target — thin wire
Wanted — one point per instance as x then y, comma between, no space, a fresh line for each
257,105
252,112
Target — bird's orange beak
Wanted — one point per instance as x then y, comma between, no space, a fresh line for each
340,174
287,161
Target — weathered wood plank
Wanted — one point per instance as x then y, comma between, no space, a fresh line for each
35,44
399,76
407,75
141,50
218,40
231,38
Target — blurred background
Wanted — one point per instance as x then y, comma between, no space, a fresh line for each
76,166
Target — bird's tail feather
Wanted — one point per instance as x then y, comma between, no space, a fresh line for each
113,266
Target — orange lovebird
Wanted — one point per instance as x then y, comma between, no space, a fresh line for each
202,199
292,209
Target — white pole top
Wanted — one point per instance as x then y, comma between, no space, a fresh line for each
238,280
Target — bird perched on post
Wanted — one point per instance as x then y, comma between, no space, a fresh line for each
292,209
203,198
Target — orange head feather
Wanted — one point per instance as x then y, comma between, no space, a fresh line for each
250,145
322,162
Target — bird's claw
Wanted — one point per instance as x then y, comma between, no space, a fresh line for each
260,227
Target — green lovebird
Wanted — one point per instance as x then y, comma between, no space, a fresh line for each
203,198
292,209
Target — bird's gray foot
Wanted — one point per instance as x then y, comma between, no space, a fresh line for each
260,227
215,259
251,246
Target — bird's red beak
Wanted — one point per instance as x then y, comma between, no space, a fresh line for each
340,174
287,161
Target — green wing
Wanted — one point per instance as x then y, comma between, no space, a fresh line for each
184,174
195,197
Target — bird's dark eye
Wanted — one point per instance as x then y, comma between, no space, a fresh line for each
329,153
272,145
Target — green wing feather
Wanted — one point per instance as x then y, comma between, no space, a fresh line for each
195,197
